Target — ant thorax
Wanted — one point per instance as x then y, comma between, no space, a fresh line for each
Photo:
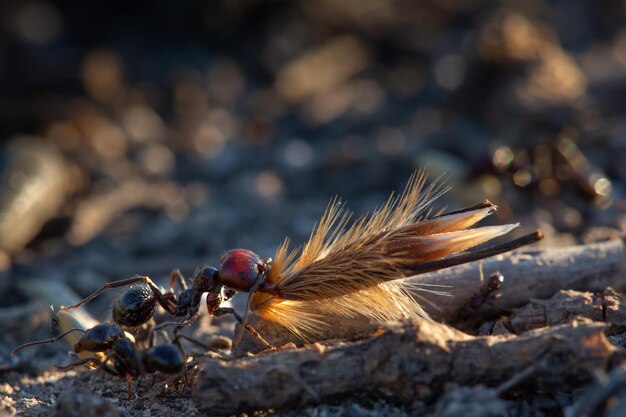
206,279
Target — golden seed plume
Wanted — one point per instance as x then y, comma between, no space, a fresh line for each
354,271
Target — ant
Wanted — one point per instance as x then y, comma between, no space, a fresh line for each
240,270
112,344
494,283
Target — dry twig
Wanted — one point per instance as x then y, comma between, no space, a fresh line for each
539,273
407,362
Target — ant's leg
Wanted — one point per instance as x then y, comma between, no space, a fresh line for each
184,324
212,346
165,324
152,336
165,302
190,339
85,361
114,284
213,301
106,368
179,324
227,310
101,364
129,382
177,276
255,286
41,342
181,349
205,346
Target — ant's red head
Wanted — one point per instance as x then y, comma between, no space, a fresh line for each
240,269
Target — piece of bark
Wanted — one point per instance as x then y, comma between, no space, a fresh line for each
606,398
564,307
407,362
531,274
567,305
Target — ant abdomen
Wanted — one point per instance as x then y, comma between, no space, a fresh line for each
165,358
135,307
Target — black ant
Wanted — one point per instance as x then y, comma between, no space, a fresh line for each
467,310
240,270
111,344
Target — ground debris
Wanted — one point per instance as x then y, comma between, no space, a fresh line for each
412,361
476,401
120,158
565,306
607,398
78,403
33,186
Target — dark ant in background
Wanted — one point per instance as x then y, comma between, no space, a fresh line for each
240,270
109,343
549,168
469,309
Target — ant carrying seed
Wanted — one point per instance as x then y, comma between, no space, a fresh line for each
341,271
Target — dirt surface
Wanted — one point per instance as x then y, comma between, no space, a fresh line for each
137,139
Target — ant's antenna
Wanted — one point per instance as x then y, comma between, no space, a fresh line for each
42,342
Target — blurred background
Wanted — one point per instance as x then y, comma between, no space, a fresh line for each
135,138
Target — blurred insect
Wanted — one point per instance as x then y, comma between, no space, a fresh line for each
467,310
343,271
549,168
106,342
